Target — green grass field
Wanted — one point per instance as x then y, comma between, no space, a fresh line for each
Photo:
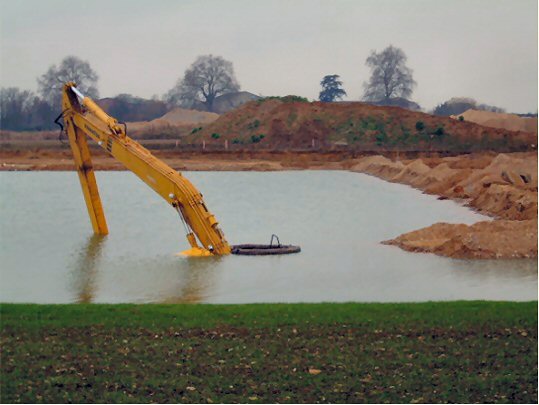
431,352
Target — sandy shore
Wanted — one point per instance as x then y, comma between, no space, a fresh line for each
61,160
503,186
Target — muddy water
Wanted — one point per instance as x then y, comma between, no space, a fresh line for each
48,253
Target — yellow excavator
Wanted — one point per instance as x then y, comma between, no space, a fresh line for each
83,117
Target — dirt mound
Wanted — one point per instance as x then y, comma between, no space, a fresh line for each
412,173
506,201
483,240
504,186
184,116
416,173
289,122
379,166
174,121
438,175
507,187
510,122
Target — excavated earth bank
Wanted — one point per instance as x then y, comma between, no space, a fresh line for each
503,186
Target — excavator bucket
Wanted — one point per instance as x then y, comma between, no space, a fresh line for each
195,252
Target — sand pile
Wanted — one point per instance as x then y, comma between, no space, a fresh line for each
483,240
503,169
510,122
507,187
506,201
440,174
415,173
378,166
184,116
178,117
412,173
504,186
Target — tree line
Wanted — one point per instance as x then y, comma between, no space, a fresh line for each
206,79
391,82
390,79
24,110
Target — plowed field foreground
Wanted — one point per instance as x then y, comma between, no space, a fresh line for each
431,352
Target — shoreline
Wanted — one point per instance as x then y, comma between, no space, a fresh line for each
61,160
502,186
40,159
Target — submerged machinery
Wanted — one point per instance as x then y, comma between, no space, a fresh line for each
84,118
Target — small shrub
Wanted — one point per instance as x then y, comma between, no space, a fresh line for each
461,118
439,131
237,141
420,125
286,99
195,130
381,139
253,125
215,136
257,138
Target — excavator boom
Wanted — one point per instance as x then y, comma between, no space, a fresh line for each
84,118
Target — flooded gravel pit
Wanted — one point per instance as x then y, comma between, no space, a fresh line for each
338,218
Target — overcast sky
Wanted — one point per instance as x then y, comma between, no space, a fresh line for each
485,49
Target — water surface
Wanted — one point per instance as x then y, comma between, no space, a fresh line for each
48,253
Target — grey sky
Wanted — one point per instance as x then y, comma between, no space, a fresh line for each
486,49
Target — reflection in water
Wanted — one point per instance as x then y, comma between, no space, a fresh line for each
483,270
197,277
188,280
86,267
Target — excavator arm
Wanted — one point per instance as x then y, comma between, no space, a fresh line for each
84,118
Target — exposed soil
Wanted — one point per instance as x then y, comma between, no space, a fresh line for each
503,186
287,123
482,240
179,120
59,160
511,122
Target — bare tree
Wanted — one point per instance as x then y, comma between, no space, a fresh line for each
70,69
15,107
208,77
390,77
331,88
